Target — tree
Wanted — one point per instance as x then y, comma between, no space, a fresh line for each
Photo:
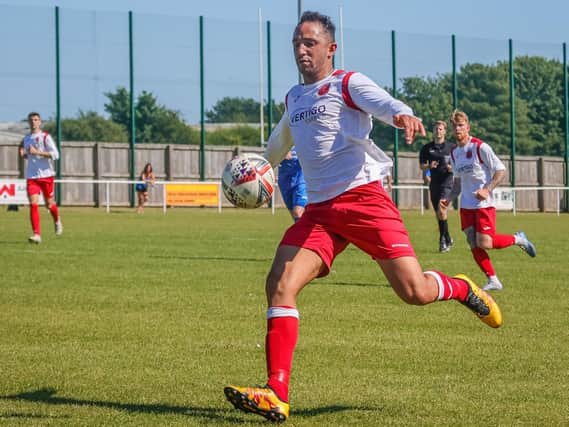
430,98
234,110
236,136
89,126
118,106
154,122
278,111
241,110
485,95
539,82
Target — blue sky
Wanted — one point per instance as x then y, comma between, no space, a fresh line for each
95,45
544,20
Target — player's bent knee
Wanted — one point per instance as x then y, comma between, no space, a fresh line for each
276,285
415,293
282,287
416,299
470,235
279,293
484,243
420,298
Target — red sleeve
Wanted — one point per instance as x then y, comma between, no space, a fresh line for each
346,92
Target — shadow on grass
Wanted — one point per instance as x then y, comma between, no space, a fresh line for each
211,258
123,211
31,416
47,396
381,285
313,412
22,242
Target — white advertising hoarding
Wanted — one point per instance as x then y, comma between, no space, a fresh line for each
13,192
504,198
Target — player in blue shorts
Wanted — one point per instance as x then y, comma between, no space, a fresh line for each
292,185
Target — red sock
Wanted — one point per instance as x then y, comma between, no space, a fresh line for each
282,333
35,217
483,260
449,287
54,212
500,241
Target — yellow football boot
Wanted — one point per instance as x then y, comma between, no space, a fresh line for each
482,304
258,400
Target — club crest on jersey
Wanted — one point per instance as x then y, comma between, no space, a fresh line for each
469,154
324,89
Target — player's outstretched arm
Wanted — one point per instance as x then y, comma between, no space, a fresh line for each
411,124
280,142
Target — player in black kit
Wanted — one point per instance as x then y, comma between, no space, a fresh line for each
435,157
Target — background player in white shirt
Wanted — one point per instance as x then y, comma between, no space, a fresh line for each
40,151
477,171
328,119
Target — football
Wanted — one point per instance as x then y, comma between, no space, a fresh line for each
248,181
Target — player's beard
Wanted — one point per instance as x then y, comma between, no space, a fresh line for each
306,68
462,137
312,68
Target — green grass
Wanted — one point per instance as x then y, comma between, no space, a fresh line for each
140,320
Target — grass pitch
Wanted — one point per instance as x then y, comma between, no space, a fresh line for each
141,320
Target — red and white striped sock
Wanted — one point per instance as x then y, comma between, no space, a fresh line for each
280,342
449,287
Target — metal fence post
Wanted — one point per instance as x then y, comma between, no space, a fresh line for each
512,114
202,108
57,107
566,121
454,77
269,83
395,130
261,83
132,108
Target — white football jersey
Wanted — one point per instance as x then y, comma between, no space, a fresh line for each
475,164
329,123
38,166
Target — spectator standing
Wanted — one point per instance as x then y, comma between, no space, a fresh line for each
148,178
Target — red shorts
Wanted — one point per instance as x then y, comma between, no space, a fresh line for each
41,185
365,216
483,220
